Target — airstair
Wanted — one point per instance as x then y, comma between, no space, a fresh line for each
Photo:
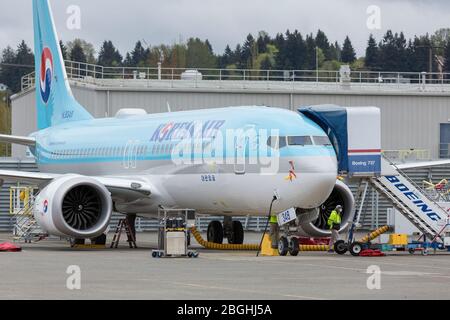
26,227
355,133
412,202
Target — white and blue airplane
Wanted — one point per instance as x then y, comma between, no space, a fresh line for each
91,167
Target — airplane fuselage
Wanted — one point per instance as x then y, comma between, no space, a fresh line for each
217,161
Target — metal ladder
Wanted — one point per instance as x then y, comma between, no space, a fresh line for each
409,209
26,227
121,226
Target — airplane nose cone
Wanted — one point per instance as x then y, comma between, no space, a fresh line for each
316,181
323,175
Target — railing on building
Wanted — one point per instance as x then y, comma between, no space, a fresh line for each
272,79
407,155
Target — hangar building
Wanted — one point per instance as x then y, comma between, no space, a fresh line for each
415,108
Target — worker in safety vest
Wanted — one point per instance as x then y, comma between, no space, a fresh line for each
274,230
334,223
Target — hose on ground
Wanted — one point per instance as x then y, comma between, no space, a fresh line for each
374,234
217,246
319,247
250,247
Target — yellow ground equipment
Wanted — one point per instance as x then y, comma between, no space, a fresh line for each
21,199
398,239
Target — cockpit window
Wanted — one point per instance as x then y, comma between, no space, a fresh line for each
300,141
276,142
322,141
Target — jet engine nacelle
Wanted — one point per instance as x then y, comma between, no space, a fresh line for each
341,195
74,206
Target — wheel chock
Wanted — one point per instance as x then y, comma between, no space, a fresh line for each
266,248
371,253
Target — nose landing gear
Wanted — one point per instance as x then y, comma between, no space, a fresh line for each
290,246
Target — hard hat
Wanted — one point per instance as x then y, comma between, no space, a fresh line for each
339,207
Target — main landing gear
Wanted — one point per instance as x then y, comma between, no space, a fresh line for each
232,230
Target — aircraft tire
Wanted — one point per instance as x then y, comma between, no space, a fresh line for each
215,232
237,233
283,246
294,248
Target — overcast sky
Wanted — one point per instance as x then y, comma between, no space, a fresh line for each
223,21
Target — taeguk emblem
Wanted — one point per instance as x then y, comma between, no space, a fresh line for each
46,76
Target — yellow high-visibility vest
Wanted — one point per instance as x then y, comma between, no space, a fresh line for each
334,218
273,219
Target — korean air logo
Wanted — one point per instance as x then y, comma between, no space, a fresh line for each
46,76
165,131
45,208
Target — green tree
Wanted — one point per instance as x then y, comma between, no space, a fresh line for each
440,39
371,60
5,122
266,60
8,73
263,41
138,55
393,52
447,57
178,55
310,63
21,62
199,54
348,54
109,56
63,50
281,57
227,58
335,52
88,49
294,51
323,43
77,53
419,54
128,61
249,52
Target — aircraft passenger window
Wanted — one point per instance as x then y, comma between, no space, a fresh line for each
300,141
276,142
322,141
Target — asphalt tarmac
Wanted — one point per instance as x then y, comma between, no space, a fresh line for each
52,270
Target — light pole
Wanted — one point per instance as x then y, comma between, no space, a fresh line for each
430,57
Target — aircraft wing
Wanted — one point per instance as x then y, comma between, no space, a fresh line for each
126,189
424,164
26,141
